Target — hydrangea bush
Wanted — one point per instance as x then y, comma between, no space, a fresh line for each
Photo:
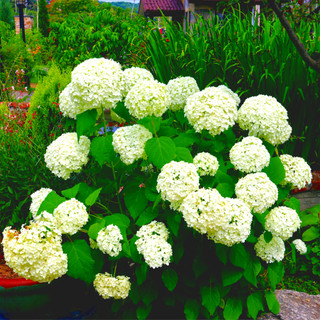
181,210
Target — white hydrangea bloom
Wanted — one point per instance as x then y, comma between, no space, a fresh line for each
153,228
282,222
249,155
130,141
112,287
132,75
109,240
95,83
265,118
257,191
206,164
37,198
66,105
298,172
147,98
35,252
46,218
179,90
197,209
71,216
236,226
300,246
232,94
176,180
211,109
272,251
66,155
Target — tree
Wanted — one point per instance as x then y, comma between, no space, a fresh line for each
6,13
43,18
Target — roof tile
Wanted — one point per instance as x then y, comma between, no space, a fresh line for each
163,5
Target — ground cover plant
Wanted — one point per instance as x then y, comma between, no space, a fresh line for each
184,210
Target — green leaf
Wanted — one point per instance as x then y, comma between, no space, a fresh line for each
267,236
183,154
252,270
147,216
191,309
160,150
167,131
239,257
185,139
170,278
99,259
92,198
151,123
173,220
141,273
122,111
102,150
231,276
80,262
283,193
311,234
72,192
135,199
120,220
222,253
134,254
269,147
255,304
51,202
293,203
143,311
135,293
199,266
86,122
226,189
275,170
233,309
151,188
149,292
210,298
308,218
95,228
275,274
84,191
272,302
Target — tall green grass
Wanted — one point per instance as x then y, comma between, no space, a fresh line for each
251,60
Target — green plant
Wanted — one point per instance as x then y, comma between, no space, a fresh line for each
6,13
43,18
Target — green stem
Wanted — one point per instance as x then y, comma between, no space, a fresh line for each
117,187
115,269
94,215
104,207
104,122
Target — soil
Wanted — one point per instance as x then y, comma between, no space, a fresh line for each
5,271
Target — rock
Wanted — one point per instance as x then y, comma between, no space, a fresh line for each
295,306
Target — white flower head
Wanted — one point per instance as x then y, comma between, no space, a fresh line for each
37,198
66,155
176,180
211,109
298,172
112,287
257,191
206,164
153,228
249,155
271,251
179,90
133,75
300,246
71,216
66,105
35,252
147,98
130,141
232,94
282,222
265,118
109,240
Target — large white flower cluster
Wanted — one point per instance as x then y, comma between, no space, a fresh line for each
70,216
265,118
133,75
35,252
37,198
298,172
179,90
176,180
206,164
130,141
95,83
112,287
249,155
211,109
270,251
300,246
282,222
257,191
109,240
231,93
66,155
147,98
153,245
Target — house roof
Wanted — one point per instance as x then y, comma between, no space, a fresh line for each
166,6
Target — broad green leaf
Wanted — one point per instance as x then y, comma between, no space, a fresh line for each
92,198
151,188
72,192
183,154
185,139
143,311
311,234
51,202
147,216
222,253
308,218
120,220
95,228
272,302
239,257
210,298
222,177
275,274
199,266
102,150
135,199
134,254
174,220
151,123
226,189
141,272
269,147
160,150
178,251
267,236
255,304
293,203
233,309
167,131
191,309
84,191
80,262
149,292
99,259
252,270
86,122
170,278
283,193
275,170
122,111
180,116
135,293
231,276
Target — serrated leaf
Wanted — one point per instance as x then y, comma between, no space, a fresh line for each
160,150
170,278
191,309
80,262
252,270
311,234
183,154
151,123
92,198
71,192
275,274
210,298
231,276
272,302
255,304
233,309
102,150
51,202
275,170
239,257
86,122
